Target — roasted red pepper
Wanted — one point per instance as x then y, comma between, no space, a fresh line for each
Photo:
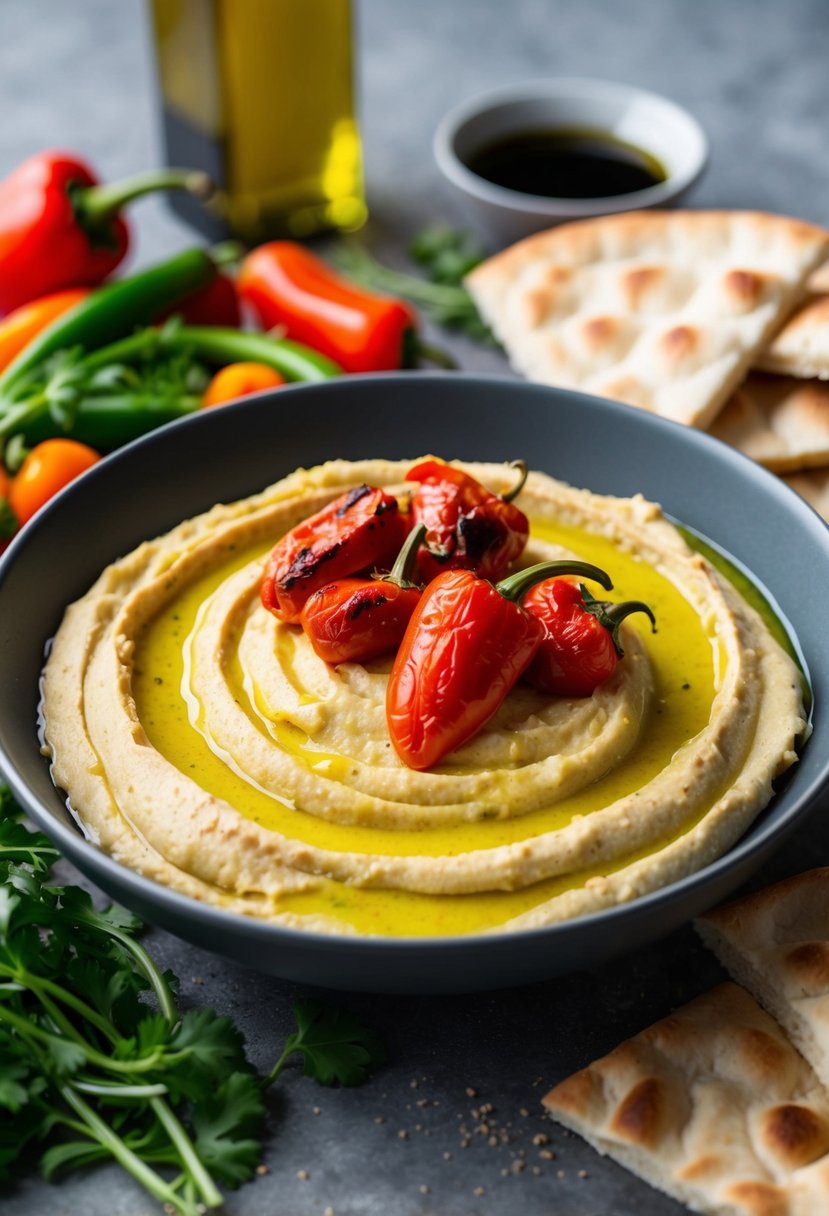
467,526
464,649
59,228
580,648
361,530
356,619
288,286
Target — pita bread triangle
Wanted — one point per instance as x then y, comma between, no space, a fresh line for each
662,310
801,347
781,422
711,1105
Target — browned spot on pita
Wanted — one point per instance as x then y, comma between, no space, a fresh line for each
637,283
763,1056
759,1198
680,342
641,1115
703,1167
536,307
795,1134
810,963
599,332
744,288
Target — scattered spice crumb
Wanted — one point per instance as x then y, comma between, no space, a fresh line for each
560,1174
505,1172
583,1174
447,1156
418,1127
379,1118
479,1191
424,1190
524,1113
422,1102
518,1167
303,1175
197,979
547,1154
471,1093
316,1110
540,1138
403,1134
537,1170
493,1141
263,1169
413,1083
328,1212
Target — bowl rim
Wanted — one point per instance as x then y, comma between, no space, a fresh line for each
188,909
461,176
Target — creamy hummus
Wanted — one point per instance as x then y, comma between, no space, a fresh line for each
203,743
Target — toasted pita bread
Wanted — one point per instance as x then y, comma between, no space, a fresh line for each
662,310
776,942
801,347
711,1105
780,422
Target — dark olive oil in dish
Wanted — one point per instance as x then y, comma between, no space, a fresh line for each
559,162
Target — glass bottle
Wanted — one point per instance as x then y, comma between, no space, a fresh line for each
259,93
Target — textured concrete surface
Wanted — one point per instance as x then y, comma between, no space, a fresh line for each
80,75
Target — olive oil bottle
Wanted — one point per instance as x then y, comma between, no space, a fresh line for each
259,93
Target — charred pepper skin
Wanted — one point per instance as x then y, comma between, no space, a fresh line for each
361,530
467,526
357,619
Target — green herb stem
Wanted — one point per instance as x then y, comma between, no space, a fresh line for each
146,965
205,1185
103,1089
40,985
113,1143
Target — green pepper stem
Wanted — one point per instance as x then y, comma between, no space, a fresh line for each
515,586
95,206
523,473
433,354
404,566
611,615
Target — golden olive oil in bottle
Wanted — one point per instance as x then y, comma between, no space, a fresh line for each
260,94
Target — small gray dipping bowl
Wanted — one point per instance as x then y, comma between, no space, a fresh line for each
226,454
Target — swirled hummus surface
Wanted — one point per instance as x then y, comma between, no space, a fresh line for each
202,742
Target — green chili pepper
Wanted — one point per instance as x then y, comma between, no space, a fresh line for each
108,422
112,312
214,344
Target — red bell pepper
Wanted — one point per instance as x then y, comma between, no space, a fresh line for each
361,530
356,619
59,228
580,648
288,286
467,526
464,649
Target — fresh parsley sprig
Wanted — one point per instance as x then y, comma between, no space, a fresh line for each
90,1071
447,256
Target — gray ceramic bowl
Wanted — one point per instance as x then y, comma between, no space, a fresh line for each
228,453
633,115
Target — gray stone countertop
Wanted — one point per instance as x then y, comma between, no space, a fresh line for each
81,76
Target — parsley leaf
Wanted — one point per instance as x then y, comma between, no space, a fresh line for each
336,1048
228,1126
